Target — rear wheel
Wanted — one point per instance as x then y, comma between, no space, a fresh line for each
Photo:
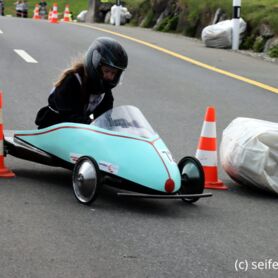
192,177
86,180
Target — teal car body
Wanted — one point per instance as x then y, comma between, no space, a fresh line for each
121,141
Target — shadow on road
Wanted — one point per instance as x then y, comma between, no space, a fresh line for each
53,176
250,191
49,178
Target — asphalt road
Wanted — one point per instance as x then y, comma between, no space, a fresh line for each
46,233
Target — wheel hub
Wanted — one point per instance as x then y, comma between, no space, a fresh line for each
85,180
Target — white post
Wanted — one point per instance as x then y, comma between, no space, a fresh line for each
118,13
235,23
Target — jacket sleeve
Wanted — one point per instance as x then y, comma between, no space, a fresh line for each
105,105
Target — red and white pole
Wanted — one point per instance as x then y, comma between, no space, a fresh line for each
4,172
118,13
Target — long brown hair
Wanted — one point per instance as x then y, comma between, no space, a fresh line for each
77,66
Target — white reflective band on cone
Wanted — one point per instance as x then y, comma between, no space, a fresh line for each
1,148
1,117
207,158
209,130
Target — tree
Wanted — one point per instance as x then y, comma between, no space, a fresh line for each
90,17
97,10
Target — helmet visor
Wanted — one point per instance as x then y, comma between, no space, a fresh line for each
110,75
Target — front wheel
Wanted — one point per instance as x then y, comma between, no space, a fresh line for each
192,177
86,180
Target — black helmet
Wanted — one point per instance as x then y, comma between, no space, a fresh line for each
104,51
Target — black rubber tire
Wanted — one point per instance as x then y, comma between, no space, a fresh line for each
88,194
193,182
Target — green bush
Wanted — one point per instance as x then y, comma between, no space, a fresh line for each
259,43
273,52
252,11
162,24
168,24
171,24
140,10
148,21
247,42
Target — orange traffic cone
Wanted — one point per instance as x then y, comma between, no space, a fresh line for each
4,172
67,14
54,17
207,151
50,15
36,12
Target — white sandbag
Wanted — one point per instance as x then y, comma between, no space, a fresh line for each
81,17
249,152
219,35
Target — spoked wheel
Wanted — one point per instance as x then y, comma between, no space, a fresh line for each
86,180
192,178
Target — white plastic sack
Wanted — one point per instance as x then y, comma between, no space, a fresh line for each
219,35
82,16
124,17
249,152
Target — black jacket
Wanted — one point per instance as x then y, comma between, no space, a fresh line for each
68,102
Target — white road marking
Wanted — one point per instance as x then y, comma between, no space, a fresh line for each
1,32
25,56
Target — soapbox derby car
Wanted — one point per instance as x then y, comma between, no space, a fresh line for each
119,148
